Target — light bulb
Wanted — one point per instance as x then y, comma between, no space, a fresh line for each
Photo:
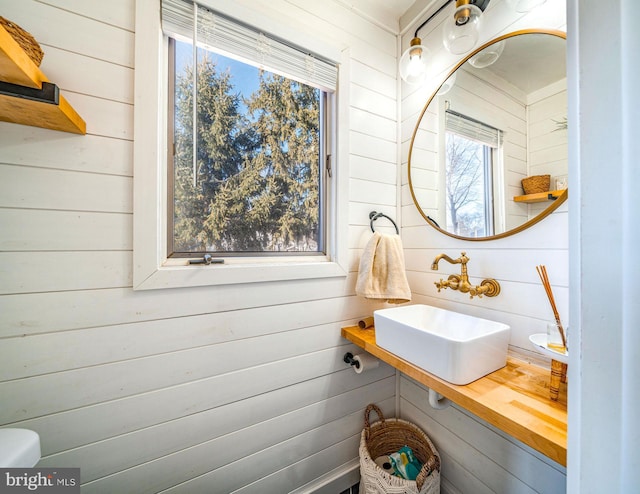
461,35
413,63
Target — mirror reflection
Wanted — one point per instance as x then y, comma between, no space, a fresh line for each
499,118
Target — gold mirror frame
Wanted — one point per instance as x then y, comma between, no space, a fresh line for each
550,209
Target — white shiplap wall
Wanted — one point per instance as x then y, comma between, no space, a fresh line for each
548,150
476,457
193,390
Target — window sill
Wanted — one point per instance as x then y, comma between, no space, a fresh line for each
175,274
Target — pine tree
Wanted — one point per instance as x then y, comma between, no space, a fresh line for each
273,203
221,145
257,173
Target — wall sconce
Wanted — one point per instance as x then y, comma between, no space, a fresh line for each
413,64
460,36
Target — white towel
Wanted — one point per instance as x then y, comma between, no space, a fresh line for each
381,274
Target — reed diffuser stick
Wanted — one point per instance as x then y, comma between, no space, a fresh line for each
544,277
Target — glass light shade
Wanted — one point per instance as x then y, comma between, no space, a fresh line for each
487,56
413,63
462,32
524,6
447,85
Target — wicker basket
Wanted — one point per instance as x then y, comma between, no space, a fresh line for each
536,184
27,42
386,437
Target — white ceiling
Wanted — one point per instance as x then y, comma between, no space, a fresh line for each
395,7
385,12
531,62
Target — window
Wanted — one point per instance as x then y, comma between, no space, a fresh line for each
266,201
247,166
470,151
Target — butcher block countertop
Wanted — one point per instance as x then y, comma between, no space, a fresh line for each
515,399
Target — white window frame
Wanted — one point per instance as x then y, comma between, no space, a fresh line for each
151,269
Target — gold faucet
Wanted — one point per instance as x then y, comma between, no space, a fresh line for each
488,287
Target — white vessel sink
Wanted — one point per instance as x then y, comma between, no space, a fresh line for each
19,448
455,347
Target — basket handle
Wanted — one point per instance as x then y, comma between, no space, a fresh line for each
432,464
370,407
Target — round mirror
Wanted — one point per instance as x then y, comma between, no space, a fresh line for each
499,118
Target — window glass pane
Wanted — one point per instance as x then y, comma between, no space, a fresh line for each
468,187
255,185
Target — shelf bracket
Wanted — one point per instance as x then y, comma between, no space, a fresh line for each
50,93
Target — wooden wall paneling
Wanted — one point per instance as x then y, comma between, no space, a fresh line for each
485,471
492,92
371,147
305,471
39,354
456,479
523,299
285,455
81,426
117,13
34,230
373,79
414,98
486,265
372,125
246,455
37,147
73,32
95,307
352,27
112,119
530,467
372,192
90,76
42,188
155,372
383,62
548,144
26,272
367,100
302,470
372,169
483,263
103,458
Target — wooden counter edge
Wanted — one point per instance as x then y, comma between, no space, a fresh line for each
551,442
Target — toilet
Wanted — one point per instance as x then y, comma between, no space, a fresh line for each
19,448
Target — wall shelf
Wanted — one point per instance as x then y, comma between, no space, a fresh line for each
49,112
515,399
551,195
